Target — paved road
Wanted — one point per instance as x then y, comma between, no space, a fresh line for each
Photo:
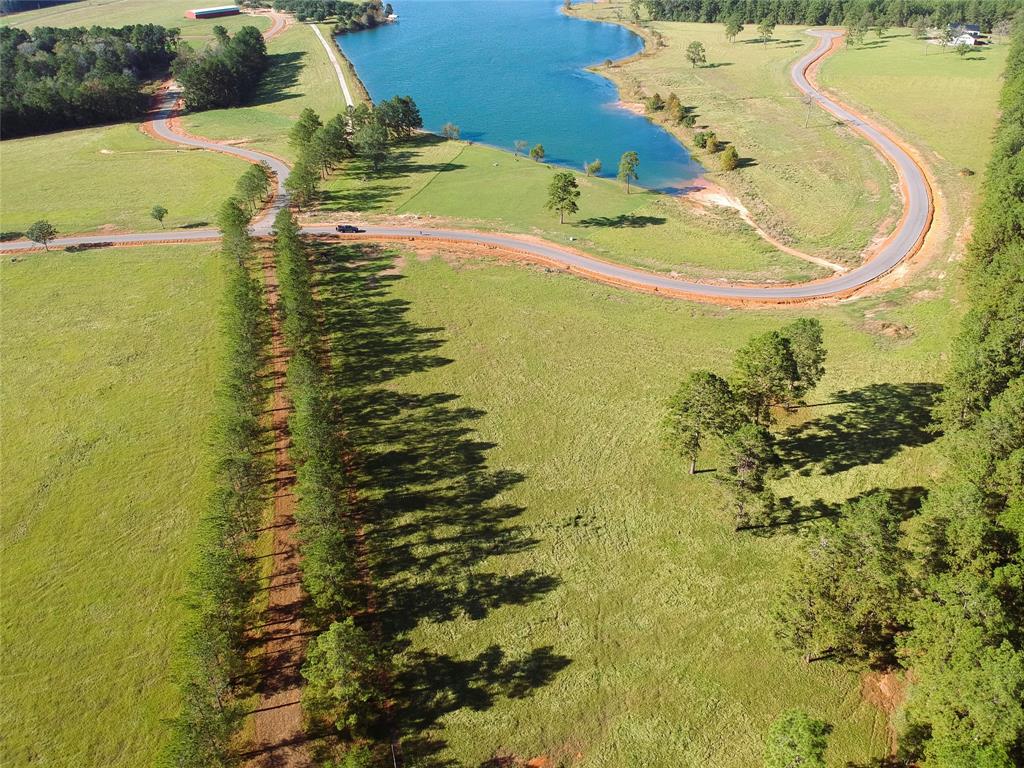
337,67
904,241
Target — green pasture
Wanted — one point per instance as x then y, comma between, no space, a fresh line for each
478,186
813,183
118,13
553,582
909,84
109,363
300,75
109,178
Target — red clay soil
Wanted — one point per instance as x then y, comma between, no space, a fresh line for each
278,733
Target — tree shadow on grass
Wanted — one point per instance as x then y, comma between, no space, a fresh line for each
437,527
364,189
282,73
879,421
793,515
623,220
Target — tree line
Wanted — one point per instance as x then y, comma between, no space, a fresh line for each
342,667
347,16
224,581
367,132
943,596
211,663
223,74
985,13
52,79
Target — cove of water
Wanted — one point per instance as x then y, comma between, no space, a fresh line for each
515,69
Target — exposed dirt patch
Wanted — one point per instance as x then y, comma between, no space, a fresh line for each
631,106
707,193
885,690
278,732
888,329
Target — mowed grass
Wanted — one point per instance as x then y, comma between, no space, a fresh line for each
299,75
908,83
816,184
481,187
554,583
109,178
109,360
118,13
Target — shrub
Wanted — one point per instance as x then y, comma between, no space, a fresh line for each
730,159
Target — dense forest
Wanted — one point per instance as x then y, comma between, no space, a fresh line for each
939,592
347,16
834,12
224,74
52,79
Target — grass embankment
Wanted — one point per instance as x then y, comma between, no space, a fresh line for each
109,360
816,185
553,581
118,13
299,75
110,178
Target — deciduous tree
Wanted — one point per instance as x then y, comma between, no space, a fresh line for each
563,194
796,740
733,27
628,165
703,406
158,213
451,131
537,153
43,232
695,54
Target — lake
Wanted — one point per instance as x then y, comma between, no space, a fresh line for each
515,69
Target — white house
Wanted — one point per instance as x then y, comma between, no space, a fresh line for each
963,39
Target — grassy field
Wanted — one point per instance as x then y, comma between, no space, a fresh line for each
553,581
460,183
299,76
117,13
110,178
905,82
109,360
816,185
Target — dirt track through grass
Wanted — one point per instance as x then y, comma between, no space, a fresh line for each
278,732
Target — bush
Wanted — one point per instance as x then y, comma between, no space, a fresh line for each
730,159
706,140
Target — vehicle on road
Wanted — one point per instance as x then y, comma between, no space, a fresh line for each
352,228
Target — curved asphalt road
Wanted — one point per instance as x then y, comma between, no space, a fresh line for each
902,243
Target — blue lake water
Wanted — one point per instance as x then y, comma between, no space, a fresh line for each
515,69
